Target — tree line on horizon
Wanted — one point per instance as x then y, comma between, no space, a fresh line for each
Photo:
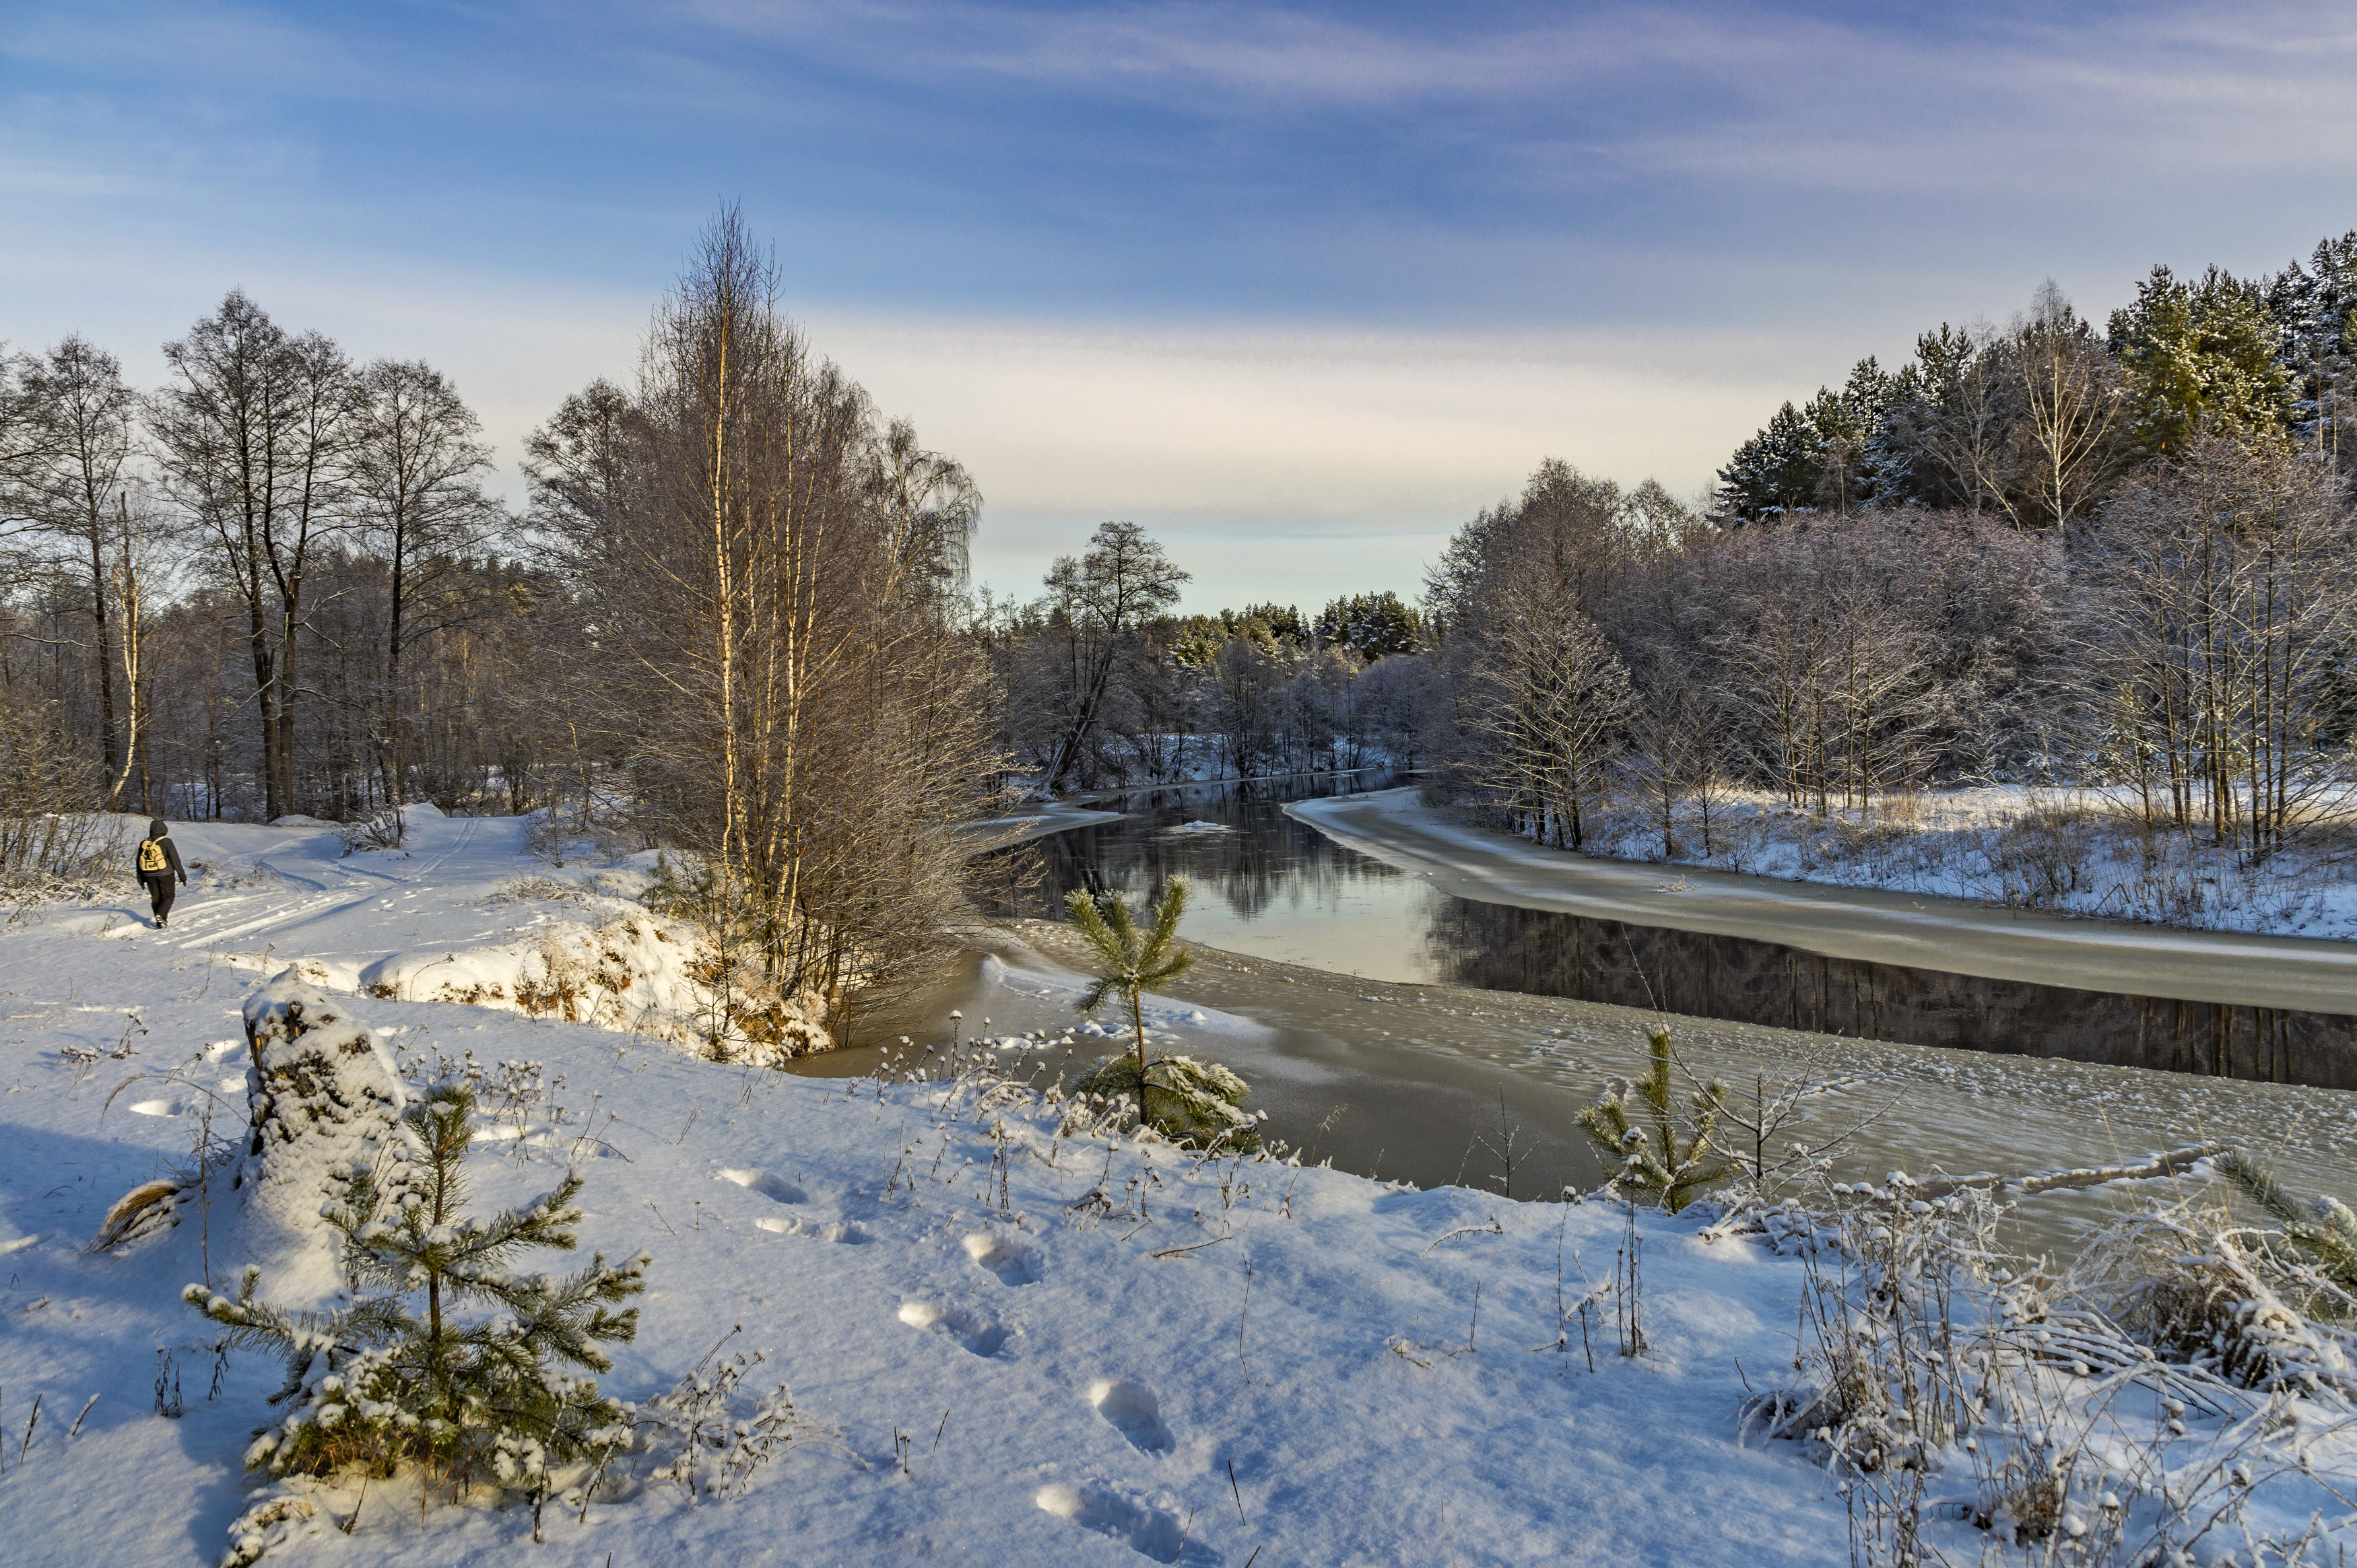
2122,560
2040,420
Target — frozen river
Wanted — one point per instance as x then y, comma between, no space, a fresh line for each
1271,886
1405,1032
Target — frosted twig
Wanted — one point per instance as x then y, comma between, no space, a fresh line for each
1491,1228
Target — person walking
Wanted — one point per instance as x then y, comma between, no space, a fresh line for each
159,864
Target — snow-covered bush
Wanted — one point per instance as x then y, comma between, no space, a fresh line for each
1196,1103
2324,1228
2235,1302
396,1377
381,829
712,1435
1971,1406
742,1012
49,847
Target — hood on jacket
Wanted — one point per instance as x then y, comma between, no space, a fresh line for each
157,829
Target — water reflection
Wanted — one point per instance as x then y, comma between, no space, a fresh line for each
1551,954
1271,886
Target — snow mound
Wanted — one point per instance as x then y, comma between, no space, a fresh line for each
326,1097
633,972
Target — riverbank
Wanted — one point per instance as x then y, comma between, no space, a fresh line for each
1920,930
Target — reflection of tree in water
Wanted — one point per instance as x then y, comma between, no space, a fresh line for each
1546,953
1266,854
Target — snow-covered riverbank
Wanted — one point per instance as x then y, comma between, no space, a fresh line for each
1919,929
1040,1345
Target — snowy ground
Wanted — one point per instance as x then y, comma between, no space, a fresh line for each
1963,935
1239,1363
2067,851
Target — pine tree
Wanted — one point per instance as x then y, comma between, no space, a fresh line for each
398,1376
1372,626
2196,354
1200,1103
1658,1157
1777,471
1129,959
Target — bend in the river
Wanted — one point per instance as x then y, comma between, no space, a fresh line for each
1381,888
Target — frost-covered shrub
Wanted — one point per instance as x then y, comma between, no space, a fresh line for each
2324,1227
1199,1104
381,829
713,1433
2201,1291
398,1376
2170,1394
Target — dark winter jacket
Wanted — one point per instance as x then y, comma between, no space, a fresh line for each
162,836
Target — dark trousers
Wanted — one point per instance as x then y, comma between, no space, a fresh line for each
160,889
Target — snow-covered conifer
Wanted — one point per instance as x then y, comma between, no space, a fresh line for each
1198,1103
1659,1157
398,1376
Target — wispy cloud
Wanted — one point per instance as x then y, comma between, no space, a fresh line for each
1272,272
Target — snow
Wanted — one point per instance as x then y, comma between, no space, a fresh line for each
1040,1345
2092,860
1047,817
1882,924
1160,1011
463,912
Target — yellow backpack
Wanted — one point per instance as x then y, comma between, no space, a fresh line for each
151,856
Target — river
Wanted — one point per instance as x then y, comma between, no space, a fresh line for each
1408,1033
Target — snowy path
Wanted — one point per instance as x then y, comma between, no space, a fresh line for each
293,891
1913,928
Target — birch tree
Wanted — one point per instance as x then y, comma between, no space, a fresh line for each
2071,403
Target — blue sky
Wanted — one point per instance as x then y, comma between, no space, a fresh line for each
1299,287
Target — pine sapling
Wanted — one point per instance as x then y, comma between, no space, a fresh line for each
1659,1157
399,1375
1128,960
1197,1102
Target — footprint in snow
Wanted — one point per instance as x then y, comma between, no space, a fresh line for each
837,1231
1011,1261
1132,1410
775,1188
973,1330
1143,1527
